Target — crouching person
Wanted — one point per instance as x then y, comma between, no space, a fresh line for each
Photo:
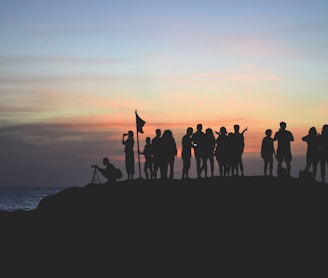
110,172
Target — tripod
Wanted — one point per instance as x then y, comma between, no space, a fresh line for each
95,177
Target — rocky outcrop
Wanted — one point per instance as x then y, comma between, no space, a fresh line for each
175,228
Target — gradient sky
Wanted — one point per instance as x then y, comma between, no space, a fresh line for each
72,74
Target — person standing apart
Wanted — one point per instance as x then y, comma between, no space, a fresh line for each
267,152
129,153
110,172
284,138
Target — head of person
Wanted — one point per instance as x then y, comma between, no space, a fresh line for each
158,132
167,133
209,131
236,128
283,125
130,133
105,161
223,130
325,130
313,131
199,127
190,130
148,140
268,132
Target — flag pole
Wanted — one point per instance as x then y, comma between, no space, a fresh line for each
138,145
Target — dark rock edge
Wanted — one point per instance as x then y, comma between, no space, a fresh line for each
215,227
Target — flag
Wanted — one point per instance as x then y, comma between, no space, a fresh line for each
140,123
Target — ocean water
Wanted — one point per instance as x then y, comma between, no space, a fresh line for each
24,198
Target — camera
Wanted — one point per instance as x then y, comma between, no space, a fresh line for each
195,145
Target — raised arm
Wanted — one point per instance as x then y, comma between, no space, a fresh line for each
244,130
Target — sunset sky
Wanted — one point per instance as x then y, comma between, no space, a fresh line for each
72,73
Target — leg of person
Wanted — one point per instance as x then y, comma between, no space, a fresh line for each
265,166
288,167
270,166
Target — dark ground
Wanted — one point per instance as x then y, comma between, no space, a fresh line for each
217,227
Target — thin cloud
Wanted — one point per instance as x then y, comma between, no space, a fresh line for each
66,60
54,78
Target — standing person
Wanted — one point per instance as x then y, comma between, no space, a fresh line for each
312,152
221,151
209,146
129,153
156,148
168,154
267,152
284,137
147,152
186,152
198,143
238,146
231,155
323,151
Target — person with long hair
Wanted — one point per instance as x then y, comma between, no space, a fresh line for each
222,151
312,152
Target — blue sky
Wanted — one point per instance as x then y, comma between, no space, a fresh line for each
73,72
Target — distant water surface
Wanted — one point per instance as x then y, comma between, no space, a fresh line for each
24,198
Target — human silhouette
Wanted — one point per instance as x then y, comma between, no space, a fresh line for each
267,152
284,138
209,146
221,151
148,165
186,152
156,149
231,155
312,152
198,144
323,145
167,154
129,153
110,172
238,145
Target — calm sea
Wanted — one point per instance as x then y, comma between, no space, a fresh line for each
24,198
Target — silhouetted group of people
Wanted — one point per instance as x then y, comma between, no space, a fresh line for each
160,153
284,138
161,150
317,151
226,148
